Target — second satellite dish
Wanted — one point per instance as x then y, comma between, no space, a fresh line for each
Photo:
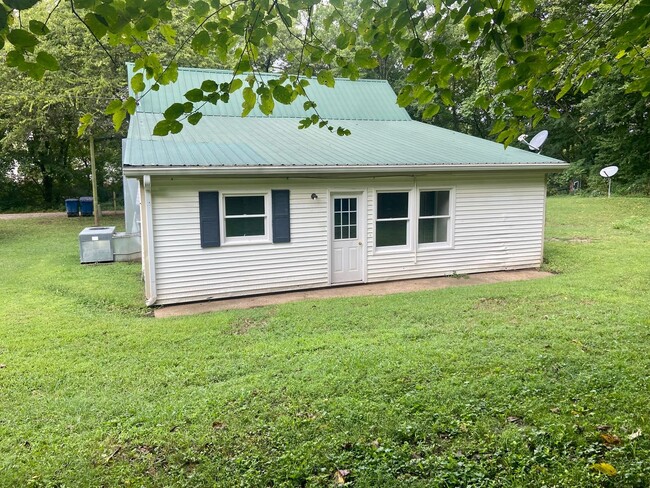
609,171
536,142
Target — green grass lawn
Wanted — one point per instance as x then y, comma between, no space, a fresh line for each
513,384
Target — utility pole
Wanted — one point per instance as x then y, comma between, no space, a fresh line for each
93,172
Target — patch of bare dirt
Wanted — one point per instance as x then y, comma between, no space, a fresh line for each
571,240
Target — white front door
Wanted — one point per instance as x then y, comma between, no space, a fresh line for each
347,234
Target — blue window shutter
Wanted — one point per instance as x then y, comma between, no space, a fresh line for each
281,221
209,216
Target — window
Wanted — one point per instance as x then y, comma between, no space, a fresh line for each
345,218
240,218
392,219
245,217
433,221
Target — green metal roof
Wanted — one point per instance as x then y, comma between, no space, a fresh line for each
225,141
358,100
383,135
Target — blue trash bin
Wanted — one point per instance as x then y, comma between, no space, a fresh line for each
72,207
86,204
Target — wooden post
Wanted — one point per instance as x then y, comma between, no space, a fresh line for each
114,204
93,173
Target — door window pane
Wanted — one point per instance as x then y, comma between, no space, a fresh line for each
345,218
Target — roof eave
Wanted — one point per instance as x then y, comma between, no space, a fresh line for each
136,171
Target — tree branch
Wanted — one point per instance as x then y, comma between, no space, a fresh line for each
93,34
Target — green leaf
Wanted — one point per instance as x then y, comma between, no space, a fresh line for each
201,42
431,111
113,107
554,113
586,85
556,25
267,104
130,105
15,58
118,118
528,5
137,83
162,128
446,97
3,22
282,94
236,84
325,77
21,38
194,95
175,126
47,61
517,41
37,27
565,89
201,8
405,96
604,69
473,27
364,58
341,41
21,4
174,111
97,24
194,118
249,101
84,122
168,32
209,86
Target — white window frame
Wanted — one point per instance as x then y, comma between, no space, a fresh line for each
266,238
449,243
409,222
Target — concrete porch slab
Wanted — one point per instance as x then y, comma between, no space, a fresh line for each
377,289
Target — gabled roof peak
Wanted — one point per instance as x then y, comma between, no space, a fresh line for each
348,100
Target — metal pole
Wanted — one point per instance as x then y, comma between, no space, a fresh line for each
93,173
609,187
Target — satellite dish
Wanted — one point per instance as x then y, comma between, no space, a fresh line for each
536,142
609,171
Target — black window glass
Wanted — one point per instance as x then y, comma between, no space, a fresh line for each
247,205
391,233
249,226
434,203
432,230
392,205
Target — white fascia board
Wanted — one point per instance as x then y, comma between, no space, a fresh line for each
134,171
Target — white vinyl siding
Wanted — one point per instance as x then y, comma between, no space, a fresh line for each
496,223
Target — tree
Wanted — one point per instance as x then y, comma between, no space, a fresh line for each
538,45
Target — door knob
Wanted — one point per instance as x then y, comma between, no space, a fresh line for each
360,243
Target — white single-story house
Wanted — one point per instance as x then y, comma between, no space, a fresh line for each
241,206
